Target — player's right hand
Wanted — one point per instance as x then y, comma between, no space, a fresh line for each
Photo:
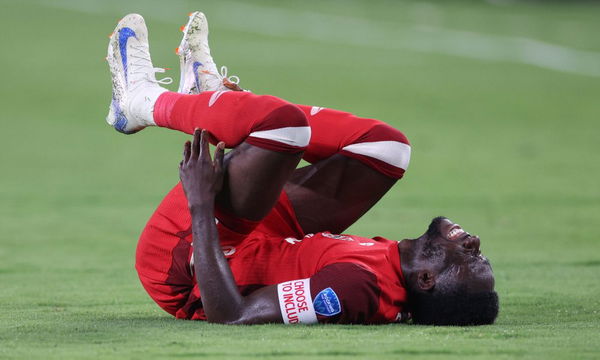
201,176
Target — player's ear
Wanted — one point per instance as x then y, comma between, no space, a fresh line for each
426,280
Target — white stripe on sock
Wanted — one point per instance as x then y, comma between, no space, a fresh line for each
294,135
392,152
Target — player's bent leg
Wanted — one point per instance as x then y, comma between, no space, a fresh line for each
370,141
269,136
334,193
355,162
236,116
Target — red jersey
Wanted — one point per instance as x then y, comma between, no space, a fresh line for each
352,279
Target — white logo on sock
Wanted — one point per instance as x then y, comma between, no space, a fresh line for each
214,97
315,109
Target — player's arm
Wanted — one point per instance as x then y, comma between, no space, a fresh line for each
338,293
202,179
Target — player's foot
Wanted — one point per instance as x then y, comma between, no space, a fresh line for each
198,70
134,85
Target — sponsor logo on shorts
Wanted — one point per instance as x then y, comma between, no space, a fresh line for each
228,250
327,303
214,97
315,110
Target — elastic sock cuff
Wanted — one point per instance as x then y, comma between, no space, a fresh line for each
164,106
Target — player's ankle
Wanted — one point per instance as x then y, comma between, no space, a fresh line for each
142,105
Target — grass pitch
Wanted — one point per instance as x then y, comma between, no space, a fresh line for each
501,104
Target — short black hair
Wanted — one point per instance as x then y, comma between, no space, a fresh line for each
457,307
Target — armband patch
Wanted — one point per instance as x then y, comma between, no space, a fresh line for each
327,303
295,302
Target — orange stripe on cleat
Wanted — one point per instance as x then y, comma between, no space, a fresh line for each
182,28
177,50
190,14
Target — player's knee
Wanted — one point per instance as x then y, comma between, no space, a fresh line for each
381,131
289,115
284,129
382,147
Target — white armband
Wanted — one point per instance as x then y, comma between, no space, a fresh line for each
295,302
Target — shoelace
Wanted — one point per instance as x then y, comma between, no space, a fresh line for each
221,75
233,78
142,63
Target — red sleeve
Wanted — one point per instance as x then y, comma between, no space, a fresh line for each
344,293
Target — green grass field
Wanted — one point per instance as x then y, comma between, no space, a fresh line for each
500,101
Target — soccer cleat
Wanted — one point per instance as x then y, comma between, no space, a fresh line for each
134,85
198,70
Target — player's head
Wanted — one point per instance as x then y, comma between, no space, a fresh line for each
448,280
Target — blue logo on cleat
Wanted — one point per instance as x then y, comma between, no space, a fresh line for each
327,303
124,35
121,122
196,65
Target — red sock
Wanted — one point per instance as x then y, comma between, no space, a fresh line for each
370,141
274,124
234,117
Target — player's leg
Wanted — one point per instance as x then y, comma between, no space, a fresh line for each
269,134
355,162
338,189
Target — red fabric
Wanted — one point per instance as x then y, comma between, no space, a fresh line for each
231,117
234,115
332,130
275,251
164,251
275,259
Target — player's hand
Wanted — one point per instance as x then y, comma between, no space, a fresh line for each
201,176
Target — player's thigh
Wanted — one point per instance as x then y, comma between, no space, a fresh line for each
332,194
254,179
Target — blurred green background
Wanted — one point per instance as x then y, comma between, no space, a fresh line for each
500,99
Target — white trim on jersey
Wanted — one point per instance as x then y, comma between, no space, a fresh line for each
294,135
394,153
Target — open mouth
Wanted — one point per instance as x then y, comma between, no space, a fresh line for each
455,232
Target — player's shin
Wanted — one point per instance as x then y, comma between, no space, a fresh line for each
234,117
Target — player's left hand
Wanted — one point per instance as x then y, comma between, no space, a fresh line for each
201,176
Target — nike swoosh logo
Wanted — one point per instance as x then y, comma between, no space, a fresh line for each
214,97
124,35
315,110
120,119
195,66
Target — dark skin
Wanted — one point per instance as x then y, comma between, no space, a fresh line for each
331,189
458,253
202,180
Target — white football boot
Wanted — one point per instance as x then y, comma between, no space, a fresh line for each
198,70
134,85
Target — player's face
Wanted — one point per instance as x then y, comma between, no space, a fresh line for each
457,252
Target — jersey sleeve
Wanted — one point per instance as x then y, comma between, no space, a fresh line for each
342,293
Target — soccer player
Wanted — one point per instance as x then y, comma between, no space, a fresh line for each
247,238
